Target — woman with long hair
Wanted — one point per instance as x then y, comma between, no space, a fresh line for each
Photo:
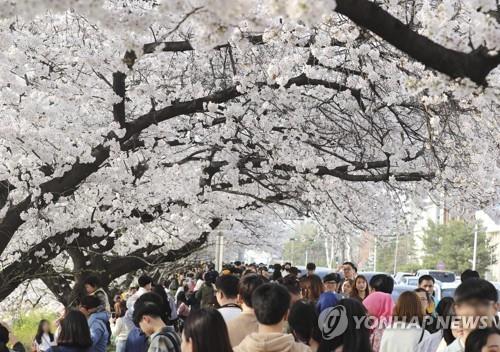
442,323
360,289
205,331
44,338
122,328
347,287
406,331
483,340
74,335
165,306
356,337
313,288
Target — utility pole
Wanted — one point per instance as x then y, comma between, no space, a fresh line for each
396,253
219,251
375,256
474,253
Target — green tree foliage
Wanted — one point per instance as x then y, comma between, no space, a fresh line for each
452,244
406,257
304,241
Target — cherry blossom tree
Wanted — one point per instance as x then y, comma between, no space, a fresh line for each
130,130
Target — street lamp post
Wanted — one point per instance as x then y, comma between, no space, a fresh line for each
219,251
396,253
474,253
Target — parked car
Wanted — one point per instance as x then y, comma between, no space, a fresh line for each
320,271
441,275
370,274
410,281
399,277
446,289
399,289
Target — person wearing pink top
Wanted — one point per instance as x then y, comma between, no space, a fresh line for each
379,306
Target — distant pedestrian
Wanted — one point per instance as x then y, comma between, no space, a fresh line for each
360,288
44,338
347,287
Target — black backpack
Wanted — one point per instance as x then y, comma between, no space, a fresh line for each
170,335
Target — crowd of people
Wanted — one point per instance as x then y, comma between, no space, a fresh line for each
253,308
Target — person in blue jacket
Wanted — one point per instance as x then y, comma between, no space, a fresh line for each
97,322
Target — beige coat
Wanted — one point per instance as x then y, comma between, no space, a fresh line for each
270,342
241,326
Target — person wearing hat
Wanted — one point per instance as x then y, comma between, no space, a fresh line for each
329,297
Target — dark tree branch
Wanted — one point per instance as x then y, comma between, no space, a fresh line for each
5,189
185,45
31,261
475,65
119,89
119,266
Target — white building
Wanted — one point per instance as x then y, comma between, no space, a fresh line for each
490,220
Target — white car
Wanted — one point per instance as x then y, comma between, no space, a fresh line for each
399,277
446,289
438,275
410,281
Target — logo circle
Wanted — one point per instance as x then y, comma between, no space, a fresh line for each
333,322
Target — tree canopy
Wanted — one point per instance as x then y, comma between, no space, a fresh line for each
130,130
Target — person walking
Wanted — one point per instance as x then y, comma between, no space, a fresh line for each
97,323
347,287
444,313
356,337
379,306
426,282
205,331
406,330
74,335
311,269
227,296
271,303
303,324
145,286
350,270
313,288
360,289
245,323
206,294
121,328
152,320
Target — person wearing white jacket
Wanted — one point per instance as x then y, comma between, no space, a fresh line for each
406,332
